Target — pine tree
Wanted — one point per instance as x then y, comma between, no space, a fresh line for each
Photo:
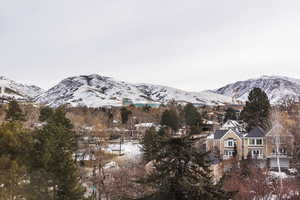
150,144
192,118
257,110
54,149
182,173
125,115
14,112
230,114
15,142
46,113
170,119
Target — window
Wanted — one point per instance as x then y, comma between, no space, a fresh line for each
229,153
230,143
255,152
258,141
282,150
251,142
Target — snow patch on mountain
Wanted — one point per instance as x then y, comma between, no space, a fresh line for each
12,89
276,87
96,91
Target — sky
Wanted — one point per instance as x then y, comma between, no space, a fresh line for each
188,44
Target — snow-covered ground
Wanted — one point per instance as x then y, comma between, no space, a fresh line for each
130,149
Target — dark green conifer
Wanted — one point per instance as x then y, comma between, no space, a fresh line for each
170,119
257,110
182,173
230,114
14,112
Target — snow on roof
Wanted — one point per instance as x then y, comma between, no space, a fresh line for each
145,125
211,136
231,123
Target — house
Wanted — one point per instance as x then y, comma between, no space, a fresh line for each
141,128
234,125
279,143
227,143
209,125
263,146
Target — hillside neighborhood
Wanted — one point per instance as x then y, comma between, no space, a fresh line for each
120,142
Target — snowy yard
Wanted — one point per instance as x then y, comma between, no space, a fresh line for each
129,150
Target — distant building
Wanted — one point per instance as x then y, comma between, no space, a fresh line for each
129,102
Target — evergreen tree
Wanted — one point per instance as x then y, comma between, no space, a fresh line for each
54,149
150,144
257,110
230,114
192,118
46,113
14,144
182,173
14,112
170,119
125,115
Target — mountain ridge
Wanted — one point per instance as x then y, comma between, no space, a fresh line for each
19,91
95,90
278,88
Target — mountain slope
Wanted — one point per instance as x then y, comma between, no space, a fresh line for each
277,88
12,89
95,91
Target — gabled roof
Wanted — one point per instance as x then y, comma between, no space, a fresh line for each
220,133
278,129
256,132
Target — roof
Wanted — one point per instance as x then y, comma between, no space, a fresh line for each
220,133
234,125
231,123
256,132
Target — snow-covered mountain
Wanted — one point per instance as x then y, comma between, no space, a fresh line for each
95,91
12,89
277,88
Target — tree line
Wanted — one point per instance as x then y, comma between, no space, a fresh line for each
38,164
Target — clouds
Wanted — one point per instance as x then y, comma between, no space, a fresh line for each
190,44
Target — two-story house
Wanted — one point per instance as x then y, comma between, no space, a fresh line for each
257,144
227,143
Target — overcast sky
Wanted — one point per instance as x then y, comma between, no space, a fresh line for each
188,44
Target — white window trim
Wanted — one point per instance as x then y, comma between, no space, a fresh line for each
255,142
226,143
